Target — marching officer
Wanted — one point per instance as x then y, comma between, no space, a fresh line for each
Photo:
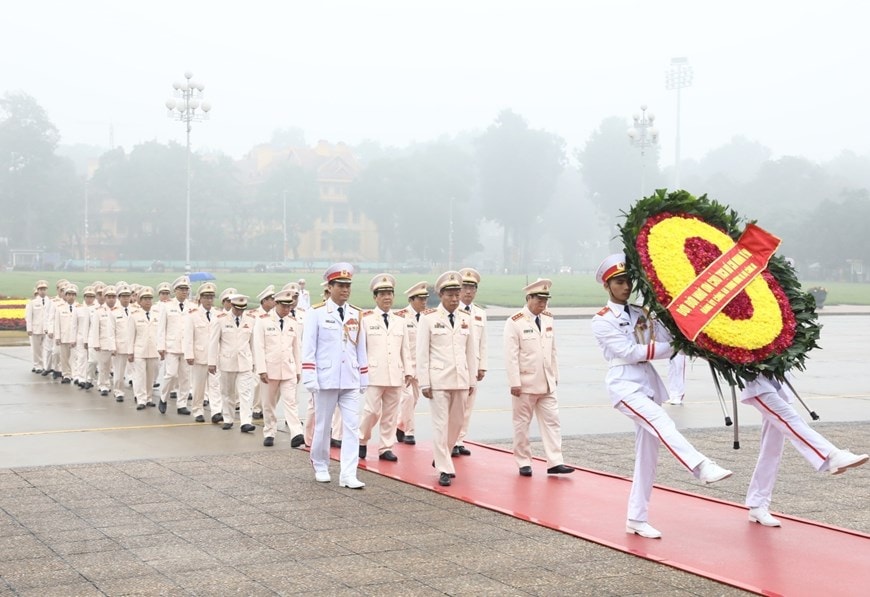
142,330
390,368
335,369
170,343
100,299
446,369
34,321
417,296
629,341
52,350
123,346
533,373
102,338
197,337
81,329
304,295
64,331
230,352
470,283
277,365
266,298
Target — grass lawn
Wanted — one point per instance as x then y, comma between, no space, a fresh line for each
504,290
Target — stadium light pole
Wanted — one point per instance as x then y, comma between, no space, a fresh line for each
678,76
187,107
643,135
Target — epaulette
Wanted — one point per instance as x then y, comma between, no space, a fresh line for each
517,316
224,314
547,313
264,315
402,313
429,311
300,309
603,311
318,305
250,313
354,307
366,313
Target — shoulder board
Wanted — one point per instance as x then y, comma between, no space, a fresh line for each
547,313
517,316
429,311
318,305
402,313
354,307
464,313
366,313
264,315
192,310
603,311
224,314
300,309
251,313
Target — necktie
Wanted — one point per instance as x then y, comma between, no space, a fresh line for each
148,315
468,308
417,316
281,323
538,322
70,308
293,313
208,315
237,322
450,317
125,311
628,312
341,313
43,301
181,306
386,317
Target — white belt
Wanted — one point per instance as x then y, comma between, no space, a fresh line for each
619,362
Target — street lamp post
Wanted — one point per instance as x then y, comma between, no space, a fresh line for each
187,108
678,76
643,135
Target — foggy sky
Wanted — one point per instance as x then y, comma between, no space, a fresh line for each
792,76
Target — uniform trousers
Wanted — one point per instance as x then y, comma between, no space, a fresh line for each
448,412
546,409
119,370
104,368
176,378
779,421
52,355
335,425
325,403
80,362
258,397
466,417
382,405
36,342
677,376
65,359
283,391
236,388
144,374
91,371
652,426
205,385
407,406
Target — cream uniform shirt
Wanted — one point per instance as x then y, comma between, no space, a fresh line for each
142,333
530,354
64,317
197,334
446,356
478,319
170,335
387,348
34,314
230,346
276,350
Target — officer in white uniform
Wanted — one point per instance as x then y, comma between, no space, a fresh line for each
677,379
470,283
170,343
230,352
34,321
123,346
417,296
142,329
304,295
335,369
52,350
629,340
82,328
102,338
197,337
533,373
64,331
780,421
390,368
446,369
266,299
277,363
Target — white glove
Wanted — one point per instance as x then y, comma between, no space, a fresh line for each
312,386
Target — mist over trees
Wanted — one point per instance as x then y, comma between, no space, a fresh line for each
431,201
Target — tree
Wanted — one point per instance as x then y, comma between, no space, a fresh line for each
518,169
834,233
290,185
739,160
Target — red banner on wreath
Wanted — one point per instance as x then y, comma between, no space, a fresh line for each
722,280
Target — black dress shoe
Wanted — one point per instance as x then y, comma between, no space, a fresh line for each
140,407
199,419
183,410
335,443
119,399
410,441
162,408
560,469
55,374
156,384
130,383
464,451
45,372
151,404
444,480
227,426
451,475
269,442
454,452
89,385
173,395
217,418
257,416
297,441
400,435
247,428
205,402
104,392
66,380
363,450
525,471
388,456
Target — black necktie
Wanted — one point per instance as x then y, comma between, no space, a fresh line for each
43,301
538,322
417,316
468,308
208,315
450,317
70,308
181,306
386,317
237,322
126,312
148,315
341,313
628,312
293,313
281,323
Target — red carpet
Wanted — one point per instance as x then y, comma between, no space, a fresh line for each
704,536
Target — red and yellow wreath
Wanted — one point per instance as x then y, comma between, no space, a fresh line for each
718,286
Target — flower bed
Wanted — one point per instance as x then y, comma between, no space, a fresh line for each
12,313
769,326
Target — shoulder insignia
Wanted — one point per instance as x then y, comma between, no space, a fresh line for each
517,316
547,313
251,313
603,311
366,313
402,313
224,314
318,305
429,311
302,309
354,307
264,315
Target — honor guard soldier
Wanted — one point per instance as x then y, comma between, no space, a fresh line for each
197,337
64,331
446,369
266,299
630,339
277,364
142,326
34,320
533,374
390,368
417,296
470,282
102,338
123,347
230,353
335,370
170,343
82,328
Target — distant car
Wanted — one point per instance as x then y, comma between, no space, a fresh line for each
565,269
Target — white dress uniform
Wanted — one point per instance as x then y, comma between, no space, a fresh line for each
390,361
478,322
102,341
531,365
34,321
277,354
52,350
230,352
123,348
447,364
335,369
170,340
410,392
64,337
197,338
142,329
82,328
677,378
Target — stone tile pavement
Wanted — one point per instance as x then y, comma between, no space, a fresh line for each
257,524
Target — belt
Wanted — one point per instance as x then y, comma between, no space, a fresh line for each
620,362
